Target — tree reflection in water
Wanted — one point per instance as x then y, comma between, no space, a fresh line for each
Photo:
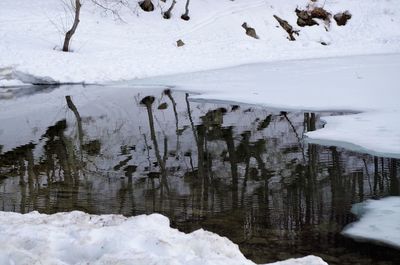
241,172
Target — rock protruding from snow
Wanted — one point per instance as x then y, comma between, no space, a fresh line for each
379,221
180,43
250,31
80,238
342,18
304,18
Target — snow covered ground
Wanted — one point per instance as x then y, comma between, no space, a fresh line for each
79,238
144,44
379,221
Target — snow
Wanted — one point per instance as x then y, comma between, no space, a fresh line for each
367,85
377,133
11,83
144,44
80,238
379,221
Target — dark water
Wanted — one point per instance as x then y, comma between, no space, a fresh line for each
243,172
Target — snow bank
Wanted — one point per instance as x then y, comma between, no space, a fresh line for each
80,238
11,83
144,44
367,84
379,221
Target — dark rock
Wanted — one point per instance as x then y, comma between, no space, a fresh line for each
179,43
320,13
147,6
342,18
304,18
250,31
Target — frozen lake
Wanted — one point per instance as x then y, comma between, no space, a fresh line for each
241,171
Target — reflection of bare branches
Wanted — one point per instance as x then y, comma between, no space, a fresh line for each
377,176
296,134
394,181
73,108
233,162
190,118
200,150
367,172
247,164
169,95
191,162
148,150
165,156
309,122
148,101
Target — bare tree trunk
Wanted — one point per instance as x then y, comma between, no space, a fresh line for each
186,15
167,15
71,32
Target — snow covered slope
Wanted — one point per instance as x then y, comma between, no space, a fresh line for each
144,44
79,238
379,221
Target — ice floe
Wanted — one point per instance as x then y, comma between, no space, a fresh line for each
379,221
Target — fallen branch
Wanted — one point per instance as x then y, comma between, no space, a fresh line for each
287,27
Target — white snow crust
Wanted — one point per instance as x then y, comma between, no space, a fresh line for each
80,238
379,221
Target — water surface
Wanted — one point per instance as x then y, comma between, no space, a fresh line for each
241,171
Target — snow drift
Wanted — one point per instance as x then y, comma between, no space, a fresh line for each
80,238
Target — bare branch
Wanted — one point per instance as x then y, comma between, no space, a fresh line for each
112,6
167,15
186,15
